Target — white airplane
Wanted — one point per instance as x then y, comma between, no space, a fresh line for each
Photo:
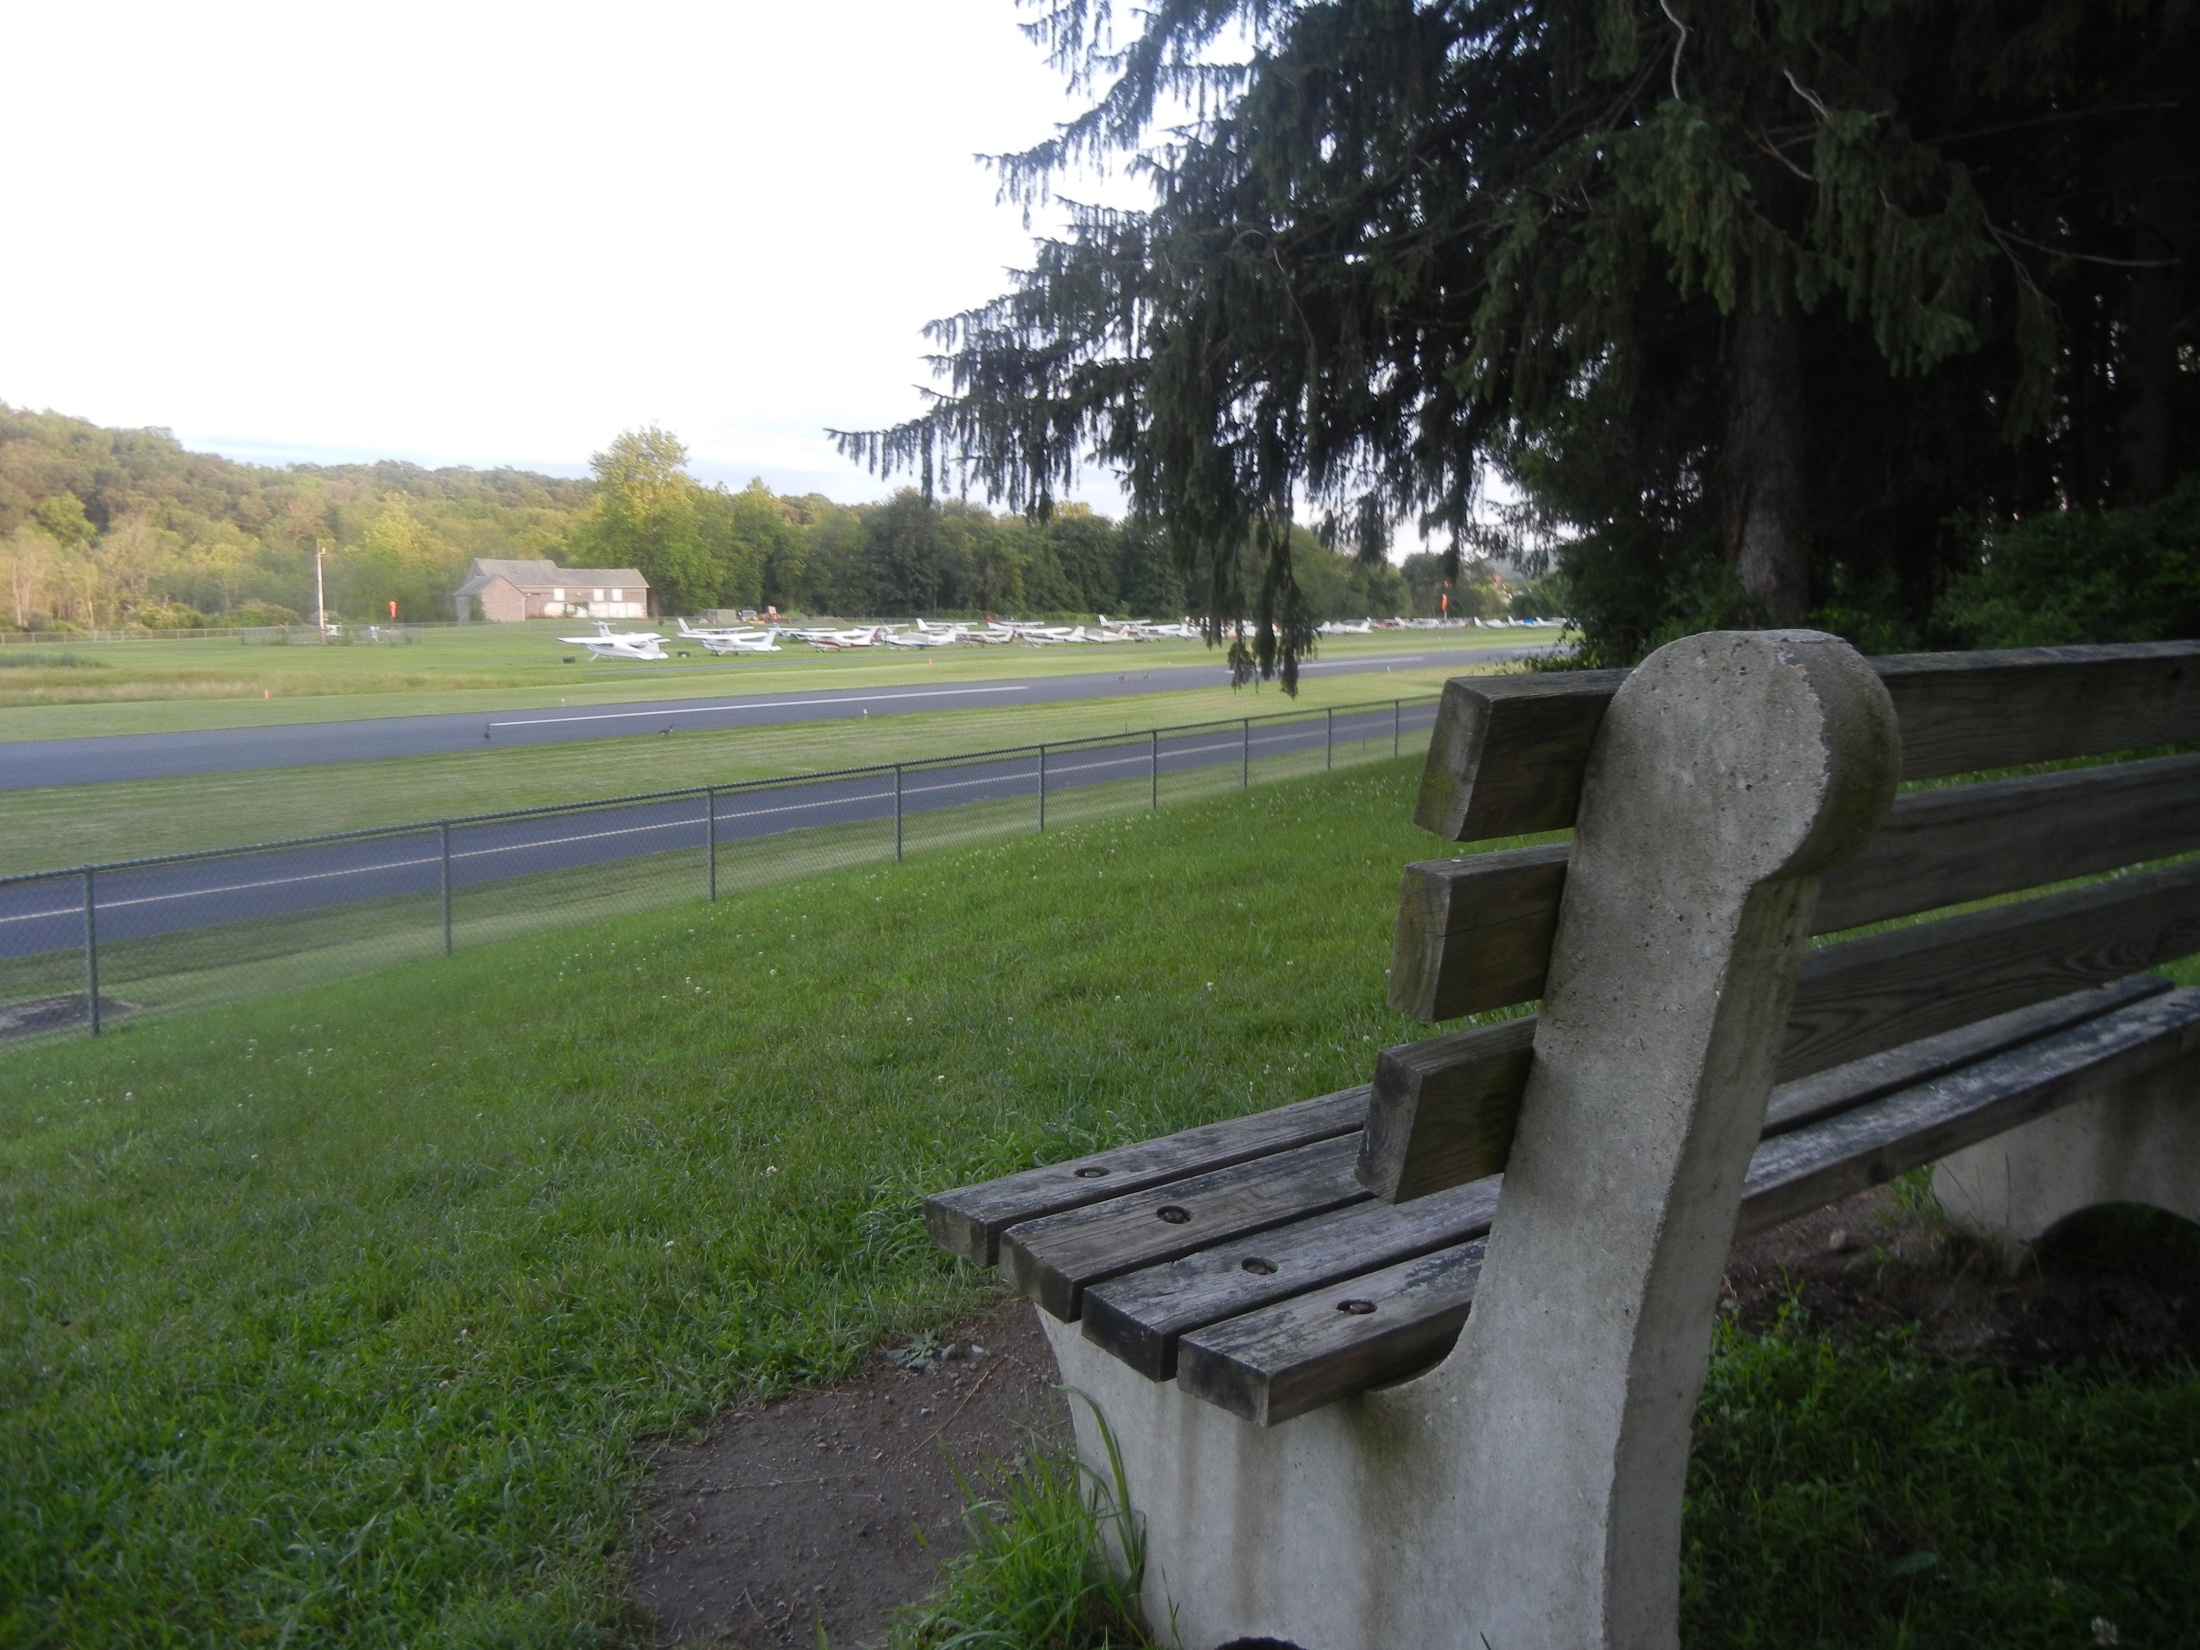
618,644
721,641
1338,627
861,637
926,636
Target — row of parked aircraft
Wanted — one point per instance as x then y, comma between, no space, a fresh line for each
725,640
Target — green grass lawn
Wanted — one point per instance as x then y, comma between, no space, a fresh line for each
346,1317
161,686
61,825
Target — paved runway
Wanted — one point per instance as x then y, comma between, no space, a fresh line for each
46,914
35,762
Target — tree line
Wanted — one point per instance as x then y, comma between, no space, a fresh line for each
101,528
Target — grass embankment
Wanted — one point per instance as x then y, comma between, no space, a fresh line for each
338,1318
158,686
60,825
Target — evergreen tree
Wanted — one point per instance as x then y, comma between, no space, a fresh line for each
1763,303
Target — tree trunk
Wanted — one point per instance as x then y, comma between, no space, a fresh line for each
2150,365
1767,533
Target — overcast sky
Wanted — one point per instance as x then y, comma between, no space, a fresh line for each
485,233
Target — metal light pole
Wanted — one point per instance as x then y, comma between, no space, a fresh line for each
320,591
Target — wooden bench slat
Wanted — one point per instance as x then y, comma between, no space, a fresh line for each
1284,1360
1868,1145
968,1221
1804,1100
1276,1364
1966,712
1861,996
1967,842
1140,1315
1852,999
1475,933
1441,1111
1507,754
1053,1258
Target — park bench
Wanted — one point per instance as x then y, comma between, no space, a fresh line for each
1272,1314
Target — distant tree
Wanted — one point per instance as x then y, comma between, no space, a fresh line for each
645,516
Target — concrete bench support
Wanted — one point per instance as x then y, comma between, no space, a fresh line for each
2138,1142
1527,1491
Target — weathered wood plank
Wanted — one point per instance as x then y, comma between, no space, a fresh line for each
1807,1099
1967,842
1441,1112
1476,1078
968,1221
1054,1258
1300,1354
1475,933
1507,753
1870,1144
1140,1315
1865,995
1963,712
1294,1356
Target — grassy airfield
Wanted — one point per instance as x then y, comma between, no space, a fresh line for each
60,825
54,691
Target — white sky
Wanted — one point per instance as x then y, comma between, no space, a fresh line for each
478,232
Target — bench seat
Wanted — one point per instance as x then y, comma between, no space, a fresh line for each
1246,1261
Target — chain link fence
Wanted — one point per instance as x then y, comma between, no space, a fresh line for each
83,948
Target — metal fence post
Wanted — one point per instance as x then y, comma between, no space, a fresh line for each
1153,777
1245,759
91,955
446,830
897,810
1329,739
710,817
1397,724
1042,787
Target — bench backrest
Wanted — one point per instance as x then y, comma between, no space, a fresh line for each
1508,759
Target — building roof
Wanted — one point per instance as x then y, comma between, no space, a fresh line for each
535,576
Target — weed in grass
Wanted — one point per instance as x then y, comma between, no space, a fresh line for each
1055,1562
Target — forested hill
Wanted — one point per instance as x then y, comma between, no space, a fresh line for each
102,527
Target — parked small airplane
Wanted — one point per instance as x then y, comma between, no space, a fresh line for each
863,637
721,641
926,636
618,644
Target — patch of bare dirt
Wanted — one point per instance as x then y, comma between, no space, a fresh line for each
2113,1288
834,1505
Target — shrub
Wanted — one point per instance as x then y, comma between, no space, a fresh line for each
2084,576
